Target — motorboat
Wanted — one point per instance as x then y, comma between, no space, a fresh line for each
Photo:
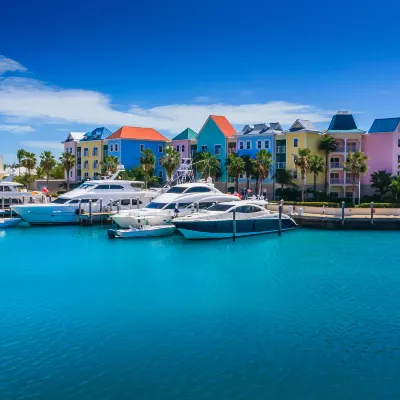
144,231
179,200
218,222
9,222
102,195
13,193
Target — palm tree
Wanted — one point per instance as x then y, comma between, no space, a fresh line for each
147,160
249,167
381,181
110,164
395,186
47,163
170,161
29,162
208,163
236,166
263,164
302,161
328,144
68,161
355,166
20,155
284,178
316,166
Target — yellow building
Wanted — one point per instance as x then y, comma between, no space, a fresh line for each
303,134
91,151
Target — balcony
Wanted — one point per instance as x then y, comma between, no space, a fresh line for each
349,149
281,149
334,165
336,181
280,165
232,150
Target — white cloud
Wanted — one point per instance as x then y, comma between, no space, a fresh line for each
7,64
16,128
29,99
43,145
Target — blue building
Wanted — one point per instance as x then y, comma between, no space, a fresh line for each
128,142
253,138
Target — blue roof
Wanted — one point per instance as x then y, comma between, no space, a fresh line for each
187,134
343,123
97,134
384,125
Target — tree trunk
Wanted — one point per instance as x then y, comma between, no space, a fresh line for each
67,180
247,182
303,185
315,184
237,183
354,192
261,182
47,181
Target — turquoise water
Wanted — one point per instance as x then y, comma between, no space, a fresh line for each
310,315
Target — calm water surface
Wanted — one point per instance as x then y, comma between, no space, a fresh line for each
310,315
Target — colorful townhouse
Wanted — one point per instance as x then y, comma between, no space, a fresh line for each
185,143
302,134
253,138
91,151
70,146
128,142
382,146
217,136
350,139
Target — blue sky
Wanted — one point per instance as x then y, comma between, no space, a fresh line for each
76,65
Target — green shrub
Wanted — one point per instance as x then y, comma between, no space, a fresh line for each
380,205
311,204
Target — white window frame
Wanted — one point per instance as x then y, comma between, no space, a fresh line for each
297,145
95,152
95,164
86,175
248,145
241,145
267,144
215,149
86,164
141,147
86,152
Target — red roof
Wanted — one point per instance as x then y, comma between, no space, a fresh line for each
133,132
224,125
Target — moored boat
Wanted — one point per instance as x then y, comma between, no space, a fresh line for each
9,222
143,232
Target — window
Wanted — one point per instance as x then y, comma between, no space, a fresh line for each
125,202
116,147
86,165
398,158
349,194
160,149
95,164
70,174
183,148
242,176
116,187
295,174
217,149
248,145
198,189
334,194
141,147
95,151
177,148
85,152
220,207
155,205
102,187
159,162
160,174
398,142
258,144
177,189
266,144
111,147
295,142
240,145
86,175
203,148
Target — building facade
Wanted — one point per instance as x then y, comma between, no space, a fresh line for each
185,143
128,142
91,151
70,146
350,139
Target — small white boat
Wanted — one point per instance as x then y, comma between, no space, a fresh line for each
9,222
144,232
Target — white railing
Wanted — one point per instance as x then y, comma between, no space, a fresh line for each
281,149
337,181
336,165
280,165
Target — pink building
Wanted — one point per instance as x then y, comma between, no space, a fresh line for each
70,144
382,146
185,143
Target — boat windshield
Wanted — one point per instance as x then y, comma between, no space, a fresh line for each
86,186
177,189
155,205
220,207
60,200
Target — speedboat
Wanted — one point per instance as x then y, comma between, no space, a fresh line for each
144,231
9,222
217,222
181,199
103,195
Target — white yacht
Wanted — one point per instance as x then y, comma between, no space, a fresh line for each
105,195
163,209
252,218
13,193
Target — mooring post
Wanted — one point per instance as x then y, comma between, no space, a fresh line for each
197,206
110,205
118,206
90,212
23,199
31,200
101,205
80,210
372,213
234,225
342,214
42,198
280,209
50,199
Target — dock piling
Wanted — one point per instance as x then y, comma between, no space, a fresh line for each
280,218
80,210
23,199
90,212
101,205
31,200
2,203
111,205
372,213
50,199
137,202
118,206
234,225
342,214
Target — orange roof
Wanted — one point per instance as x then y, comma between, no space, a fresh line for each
133,132
224,125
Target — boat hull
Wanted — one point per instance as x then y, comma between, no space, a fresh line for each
125,220
10,222
222,229
154,231
47,214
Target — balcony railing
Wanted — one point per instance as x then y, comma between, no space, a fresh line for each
280,165
281,149
349,149
232,150
337,181
336,165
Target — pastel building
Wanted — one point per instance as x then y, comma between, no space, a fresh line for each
350,139
91,151
382,146
70,146
302,134
185,143
128,142
253,138
217,136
